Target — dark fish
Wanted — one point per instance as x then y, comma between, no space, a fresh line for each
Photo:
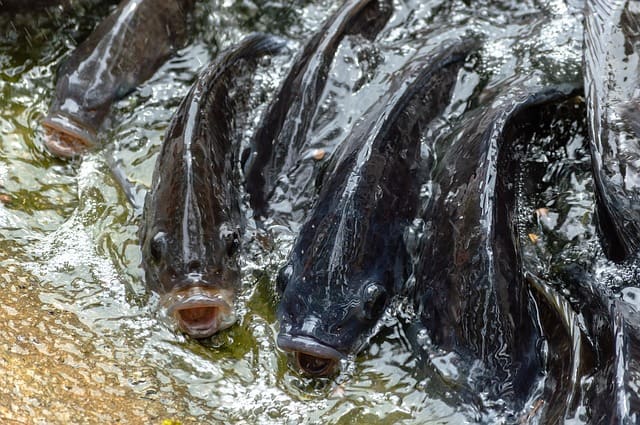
468,286
589,333
191,225
282,134
612,85
592,362
123,51
348,259
587,350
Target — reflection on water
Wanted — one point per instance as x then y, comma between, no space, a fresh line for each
81,342
57,370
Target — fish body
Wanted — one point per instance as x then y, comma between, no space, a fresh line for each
612,86
192,223
123,51
282,134
468,284
348,259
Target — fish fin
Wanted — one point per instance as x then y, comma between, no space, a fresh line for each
133,192
244,157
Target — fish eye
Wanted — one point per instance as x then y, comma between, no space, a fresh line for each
232,243
374,300
158,245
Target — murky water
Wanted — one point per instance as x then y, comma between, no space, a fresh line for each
81,340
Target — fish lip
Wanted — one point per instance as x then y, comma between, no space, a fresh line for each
306,345
65,137
200,297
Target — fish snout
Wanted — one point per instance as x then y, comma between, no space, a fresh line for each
201,312
65,138
312,357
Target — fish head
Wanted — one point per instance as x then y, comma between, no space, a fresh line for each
197,284
324,318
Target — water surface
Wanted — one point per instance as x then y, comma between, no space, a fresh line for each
82,340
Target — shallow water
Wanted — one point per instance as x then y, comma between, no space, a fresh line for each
82,342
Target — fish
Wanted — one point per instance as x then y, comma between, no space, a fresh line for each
191,226
124,50
612,86
590,331
347,260
281,136
468,289
592,341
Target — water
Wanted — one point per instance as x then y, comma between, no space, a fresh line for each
82,342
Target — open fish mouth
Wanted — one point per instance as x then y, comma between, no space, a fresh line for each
312,357
200,312
66,138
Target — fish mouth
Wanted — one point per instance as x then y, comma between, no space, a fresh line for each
312,357
66,138
200,311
